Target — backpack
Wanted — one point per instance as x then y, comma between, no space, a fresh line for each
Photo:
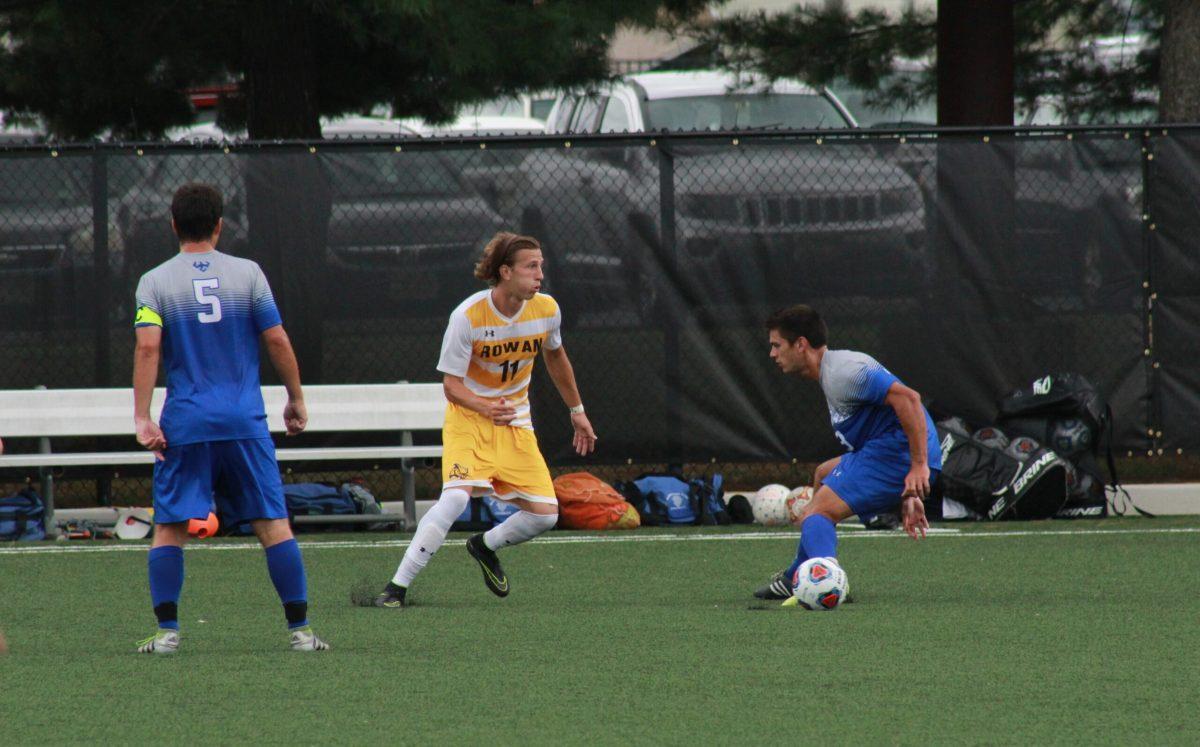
483,513
22,517
319,499
666,498
992,484
587,502
1065,412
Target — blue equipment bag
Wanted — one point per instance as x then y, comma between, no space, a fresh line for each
483,513
498,509
664,498
317,499
22,517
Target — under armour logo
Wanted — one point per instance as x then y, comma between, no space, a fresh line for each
458,472
489,333
201,265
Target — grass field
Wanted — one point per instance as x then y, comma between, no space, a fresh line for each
1082,632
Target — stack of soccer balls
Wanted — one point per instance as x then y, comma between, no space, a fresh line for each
819,584
775,506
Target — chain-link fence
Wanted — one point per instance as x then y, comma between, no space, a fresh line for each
967,262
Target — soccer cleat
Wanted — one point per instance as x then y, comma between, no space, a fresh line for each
164,641
390,599
493,574
303,639
779,587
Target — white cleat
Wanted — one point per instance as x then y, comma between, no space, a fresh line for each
303,639
164,641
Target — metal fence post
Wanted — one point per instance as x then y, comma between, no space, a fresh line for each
671,376
102,296
46,478
101,276
409,486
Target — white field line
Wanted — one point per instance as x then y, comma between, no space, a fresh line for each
937,533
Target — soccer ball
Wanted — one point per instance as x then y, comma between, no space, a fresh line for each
1022,447
770,505
1070,437
820,584
991,436
203,528
796,501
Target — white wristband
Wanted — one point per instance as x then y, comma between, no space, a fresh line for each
576,410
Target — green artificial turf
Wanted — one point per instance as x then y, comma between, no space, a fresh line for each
1083,632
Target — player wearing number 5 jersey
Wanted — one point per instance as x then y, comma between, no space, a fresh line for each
203,313
488,352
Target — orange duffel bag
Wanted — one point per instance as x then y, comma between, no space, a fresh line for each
587,502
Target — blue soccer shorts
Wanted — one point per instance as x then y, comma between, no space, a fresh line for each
871,480
241,476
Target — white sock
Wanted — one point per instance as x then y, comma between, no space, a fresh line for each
430,534
520,527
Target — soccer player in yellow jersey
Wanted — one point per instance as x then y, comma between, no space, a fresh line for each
488,352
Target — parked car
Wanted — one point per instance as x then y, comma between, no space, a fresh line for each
532,105
331,127
404,229
762,224
48,271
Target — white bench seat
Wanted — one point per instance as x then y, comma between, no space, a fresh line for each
61,413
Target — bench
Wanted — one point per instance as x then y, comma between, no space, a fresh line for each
59,413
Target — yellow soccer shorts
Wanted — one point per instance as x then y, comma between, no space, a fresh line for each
482,457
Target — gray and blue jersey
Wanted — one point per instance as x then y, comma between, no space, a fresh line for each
856,387
212,307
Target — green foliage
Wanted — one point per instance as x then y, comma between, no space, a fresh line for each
126,69
1056,633
1054,56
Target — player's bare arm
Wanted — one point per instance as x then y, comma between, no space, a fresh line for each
283,358
907,404
498,411
145,374
563,376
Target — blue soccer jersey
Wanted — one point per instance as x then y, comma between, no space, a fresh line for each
212,308
856,387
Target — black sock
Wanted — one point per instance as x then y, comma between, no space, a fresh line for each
296,612
167,614
395,589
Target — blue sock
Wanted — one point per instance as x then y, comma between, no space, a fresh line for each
165,567
818,537
801,556
287,573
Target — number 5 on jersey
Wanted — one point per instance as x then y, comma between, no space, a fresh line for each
211,301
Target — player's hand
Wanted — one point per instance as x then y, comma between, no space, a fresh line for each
912,513
295,417
916,482
501,412
585,438
150,436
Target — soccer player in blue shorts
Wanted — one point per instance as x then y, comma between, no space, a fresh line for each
892,455
204,312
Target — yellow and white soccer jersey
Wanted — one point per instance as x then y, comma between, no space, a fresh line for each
494,355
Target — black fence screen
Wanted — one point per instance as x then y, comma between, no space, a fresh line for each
968,263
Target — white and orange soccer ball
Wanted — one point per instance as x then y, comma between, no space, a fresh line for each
820,584
770,505
796,501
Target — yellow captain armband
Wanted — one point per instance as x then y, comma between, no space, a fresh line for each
146,315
